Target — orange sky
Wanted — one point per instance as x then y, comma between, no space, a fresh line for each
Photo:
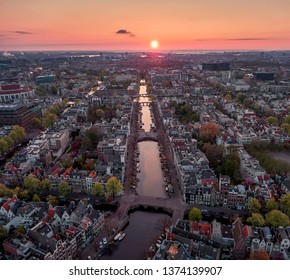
175,24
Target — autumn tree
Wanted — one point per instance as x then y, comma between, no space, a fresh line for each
209,131
254,205
36,198
113,187
3,146
98,189
45,186
259,256
277,218
214,153
64,188
36,123
195,214
272,120
100,113
256,220
32,184
287,119
272,204
285,127
285,204
51,199
3,232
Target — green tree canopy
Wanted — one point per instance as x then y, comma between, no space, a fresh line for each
272,204
36,123
256,220
287,119
98,189
64,188
32,185
195,214
52,200
113,187
3,232
277,218
285,204
36,198
272,120
254,205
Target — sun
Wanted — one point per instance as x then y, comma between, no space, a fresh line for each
154,44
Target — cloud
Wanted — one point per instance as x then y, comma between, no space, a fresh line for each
125,32
248,39
233,39
22,32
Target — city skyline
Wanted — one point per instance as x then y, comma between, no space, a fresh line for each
128,25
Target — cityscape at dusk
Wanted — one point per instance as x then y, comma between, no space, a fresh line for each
154,130
130,25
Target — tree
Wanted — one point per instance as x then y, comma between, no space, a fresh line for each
247,102
3,146
272,204
98,189
21,230
64,188
100,113
45,186
36,123
49,120
208,131
256,220
285,204
285,127
254,205
32,184
277,218
287,119
113,187
240,96
259,256
52,200
272,120
195,214
19,131
36,198
213,153
3,232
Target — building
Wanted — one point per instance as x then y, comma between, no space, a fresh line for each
14,92
12,114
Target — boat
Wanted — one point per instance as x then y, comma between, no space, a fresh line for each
116,238
122,236
166,189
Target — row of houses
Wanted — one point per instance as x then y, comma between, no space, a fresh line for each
52,233
215,241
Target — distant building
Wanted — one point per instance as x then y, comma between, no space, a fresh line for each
223,66
14,92
264,76
45,79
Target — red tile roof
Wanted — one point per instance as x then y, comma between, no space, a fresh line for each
6,205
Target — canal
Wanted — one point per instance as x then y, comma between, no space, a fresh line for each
150,173
142,231
144,227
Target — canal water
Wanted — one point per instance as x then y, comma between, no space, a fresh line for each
142,231
144,227
150,175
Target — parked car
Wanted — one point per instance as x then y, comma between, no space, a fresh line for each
105,241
